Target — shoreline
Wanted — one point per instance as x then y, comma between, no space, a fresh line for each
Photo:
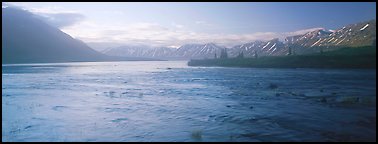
346,58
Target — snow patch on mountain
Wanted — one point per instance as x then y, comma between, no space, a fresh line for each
364,27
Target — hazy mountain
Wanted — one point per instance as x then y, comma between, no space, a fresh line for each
196,51
101,46
188,51
140,51
27,39
354,35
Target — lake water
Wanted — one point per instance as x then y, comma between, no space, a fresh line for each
169,101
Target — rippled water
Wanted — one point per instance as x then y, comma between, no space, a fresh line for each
169,101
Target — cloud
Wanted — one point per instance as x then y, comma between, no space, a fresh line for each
75,24
61,20
5,5
52,10
178,26
113,12
200,22
154,34
301,32
54,15
57,17
204,23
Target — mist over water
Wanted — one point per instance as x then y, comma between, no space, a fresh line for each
169,101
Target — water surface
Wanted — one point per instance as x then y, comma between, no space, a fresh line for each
169,101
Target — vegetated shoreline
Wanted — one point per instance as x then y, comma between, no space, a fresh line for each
344,58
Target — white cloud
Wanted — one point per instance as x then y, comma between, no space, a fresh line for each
53,15
203,23
58,16
300,32
178,26
155,34
62,19
52,10
113,12
73,23
200,22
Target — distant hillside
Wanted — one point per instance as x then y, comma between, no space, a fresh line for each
187,51
27,39
353,35
139,51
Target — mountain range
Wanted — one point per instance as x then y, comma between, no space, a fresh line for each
28,39
353,35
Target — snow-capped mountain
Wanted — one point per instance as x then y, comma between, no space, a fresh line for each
360,34
139,51
188,51
354,35
272,47
198,51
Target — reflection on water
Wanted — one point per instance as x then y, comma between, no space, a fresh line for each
168,101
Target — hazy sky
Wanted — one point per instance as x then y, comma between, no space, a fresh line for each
174,24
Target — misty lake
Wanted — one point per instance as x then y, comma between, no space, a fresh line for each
169,101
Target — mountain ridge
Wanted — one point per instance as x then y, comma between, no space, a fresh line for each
28,39
319,40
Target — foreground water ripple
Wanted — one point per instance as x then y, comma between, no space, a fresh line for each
169,101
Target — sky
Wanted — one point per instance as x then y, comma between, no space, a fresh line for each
172,24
